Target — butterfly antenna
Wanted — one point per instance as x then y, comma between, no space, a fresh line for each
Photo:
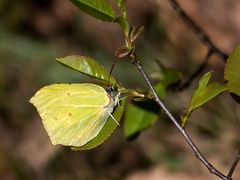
111,70
113,118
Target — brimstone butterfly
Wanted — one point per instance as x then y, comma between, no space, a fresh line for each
73,114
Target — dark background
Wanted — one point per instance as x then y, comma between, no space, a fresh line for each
34,32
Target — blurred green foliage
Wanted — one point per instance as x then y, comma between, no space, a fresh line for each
33,33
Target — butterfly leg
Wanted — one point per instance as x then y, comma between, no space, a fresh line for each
113,118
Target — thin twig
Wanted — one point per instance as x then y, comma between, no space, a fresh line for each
183,132
197,72
201,34
234,165
111,70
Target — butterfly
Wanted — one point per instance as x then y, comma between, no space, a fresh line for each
73,114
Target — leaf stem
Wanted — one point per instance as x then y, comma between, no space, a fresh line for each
181,129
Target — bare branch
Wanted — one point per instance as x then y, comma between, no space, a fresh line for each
197,72
201,34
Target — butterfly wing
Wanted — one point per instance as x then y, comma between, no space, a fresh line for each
72,114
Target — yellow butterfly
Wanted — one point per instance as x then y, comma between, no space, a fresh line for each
73,114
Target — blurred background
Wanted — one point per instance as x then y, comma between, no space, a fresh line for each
34,32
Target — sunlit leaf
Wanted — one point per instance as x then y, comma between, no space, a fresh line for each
88,66
100,9
211,91
203,94
139,116
232,71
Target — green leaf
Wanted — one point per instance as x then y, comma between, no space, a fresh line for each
203,94
107,129
211,91
232,71
139,116
100,9
88,66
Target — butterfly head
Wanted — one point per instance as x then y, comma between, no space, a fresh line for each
114,93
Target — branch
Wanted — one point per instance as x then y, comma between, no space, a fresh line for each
234,165
183,132
204,38
197,72
201,34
